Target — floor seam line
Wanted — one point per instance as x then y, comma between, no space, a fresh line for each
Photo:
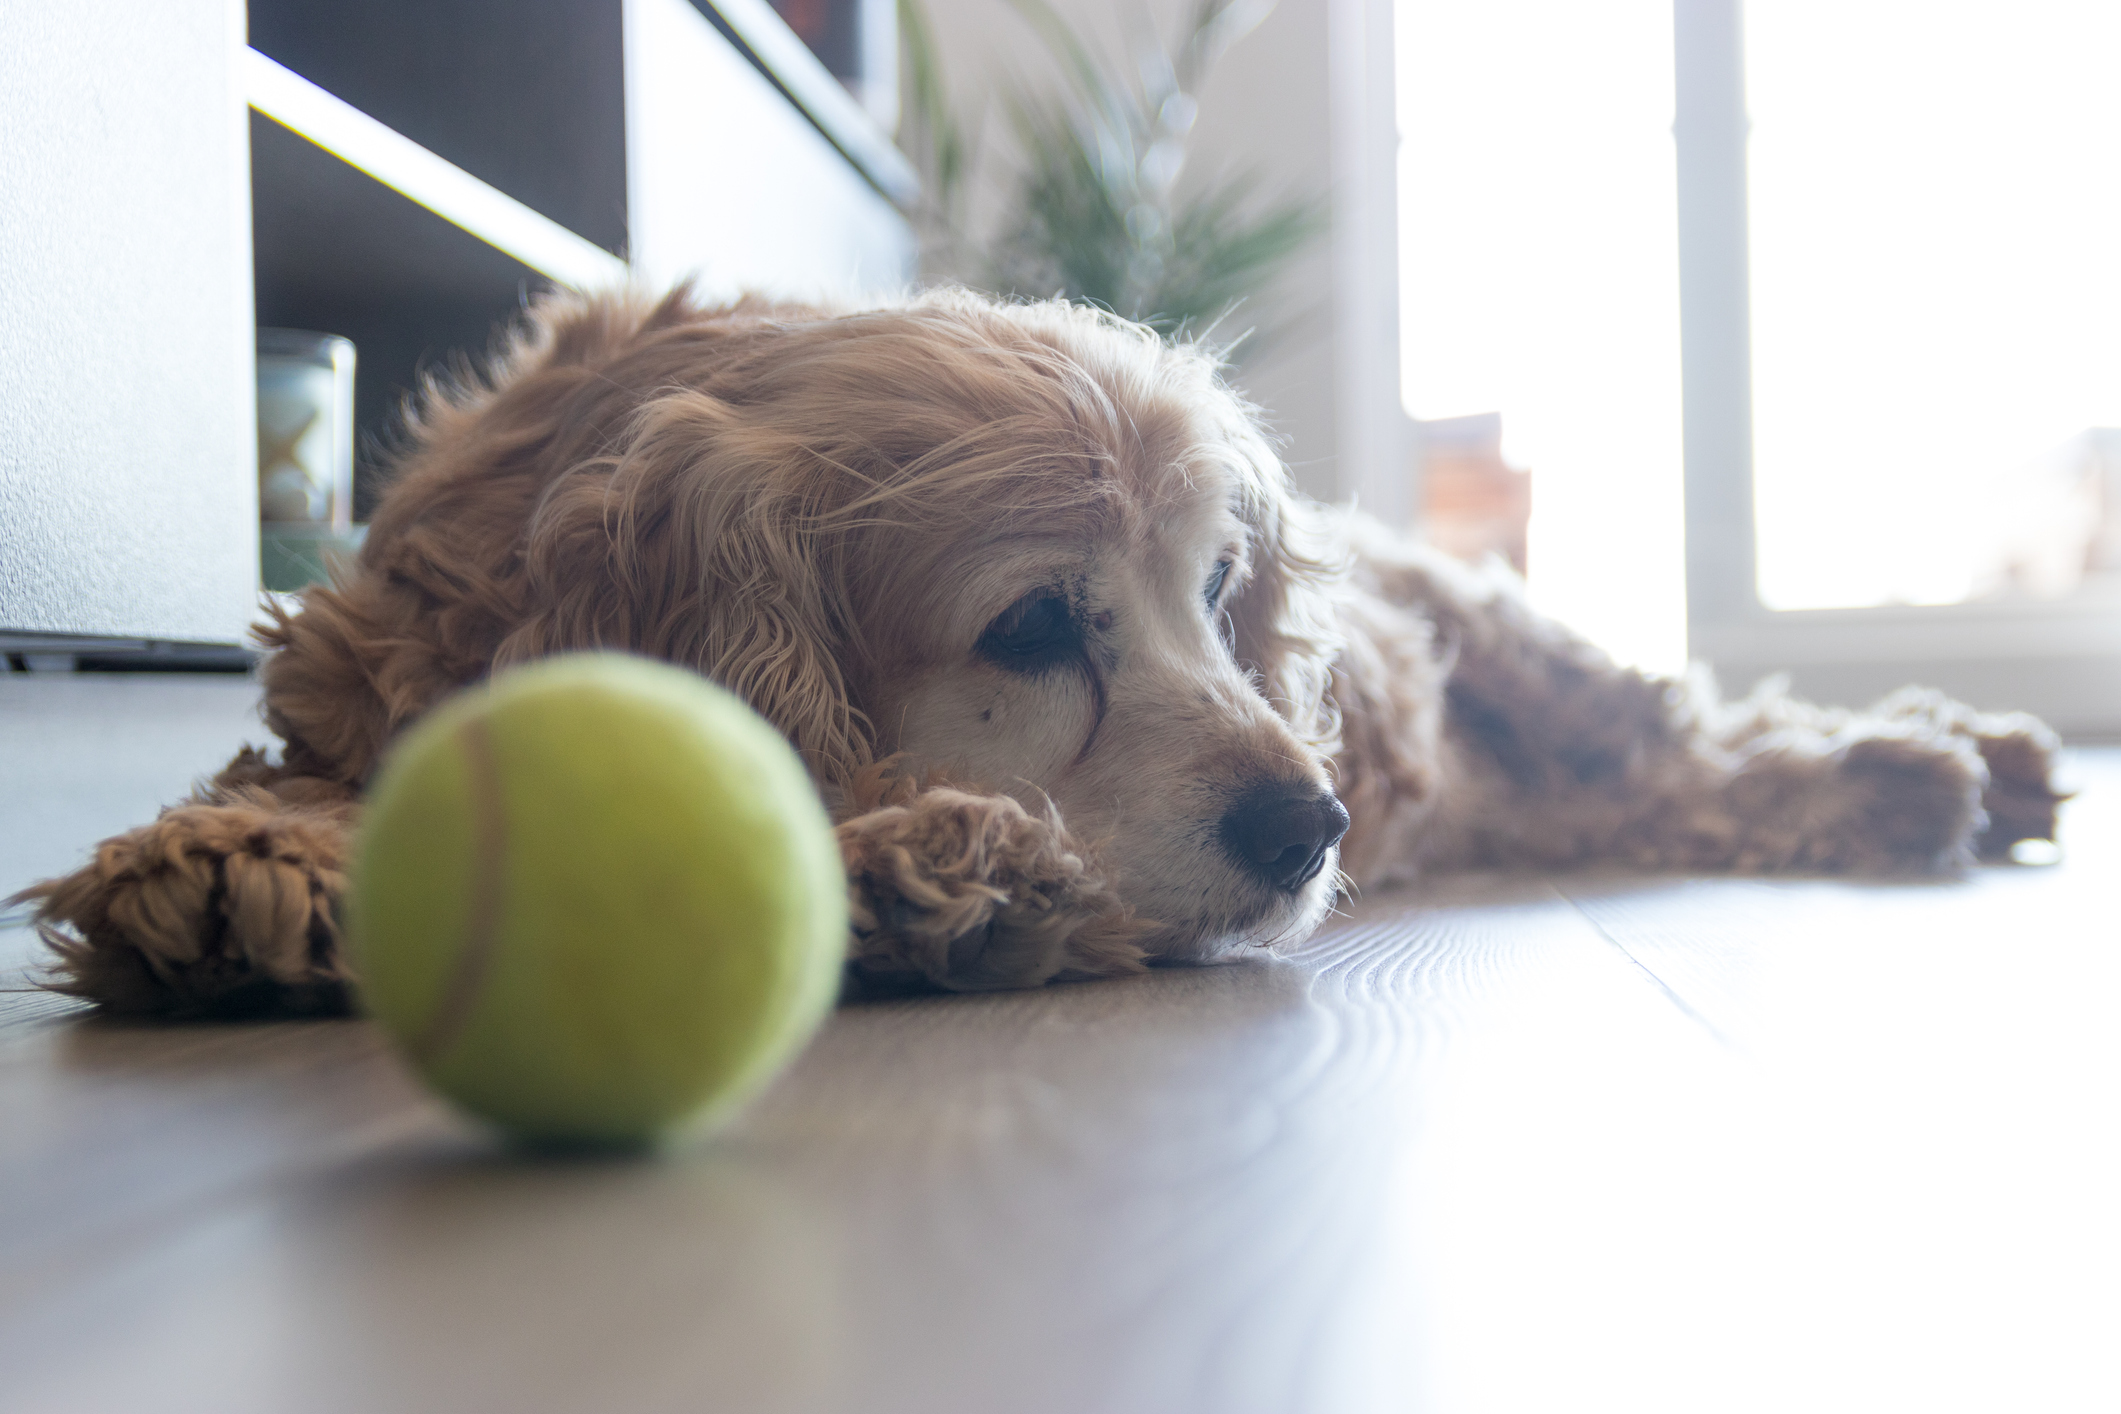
1686,1009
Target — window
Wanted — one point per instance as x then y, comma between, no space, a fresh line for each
1932,219
1894,297
1891,395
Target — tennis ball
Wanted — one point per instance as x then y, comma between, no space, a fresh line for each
597,902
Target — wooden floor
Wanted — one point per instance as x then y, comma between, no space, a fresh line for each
1497,1144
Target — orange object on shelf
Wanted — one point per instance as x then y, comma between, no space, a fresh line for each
1474,504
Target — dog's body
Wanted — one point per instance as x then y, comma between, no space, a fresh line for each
1084,683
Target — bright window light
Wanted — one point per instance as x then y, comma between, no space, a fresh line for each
1935,231
1539,280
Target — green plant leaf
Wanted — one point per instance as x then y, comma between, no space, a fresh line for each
1095,210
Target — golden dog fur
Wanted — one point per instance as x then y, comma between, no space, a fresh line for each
840,515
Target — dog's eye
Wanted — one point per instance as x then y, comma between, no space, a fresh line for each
1035,632
1216,579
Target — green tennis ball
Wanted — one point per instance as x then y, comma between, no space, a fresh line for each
597,902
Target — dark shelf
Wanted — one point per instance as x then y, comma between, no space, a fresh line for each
338,252
526,95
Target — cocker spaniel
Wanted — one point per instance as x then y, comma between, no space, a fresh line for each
1084,683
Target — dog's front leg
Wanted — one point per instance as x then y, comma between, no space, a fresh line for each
974,893
226,905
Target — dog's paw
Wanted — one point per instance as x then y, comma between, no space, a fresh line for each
2019,751
1906,804
2021,799
213,910
1869,797
973,893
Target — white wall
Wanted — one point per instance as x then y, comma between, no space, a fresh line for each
705,134
1304,100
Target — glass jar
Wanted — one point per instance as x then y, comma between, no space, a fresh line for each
305,453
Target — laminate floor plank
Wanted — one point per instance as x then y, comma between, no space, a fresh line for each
1934,1070
1491,1144
87,755
1159,1194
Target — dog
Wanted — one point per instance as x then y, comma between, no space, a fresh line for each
1085,685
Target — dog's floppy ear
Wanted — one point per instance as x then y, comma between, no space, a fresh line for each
702,541
1282,617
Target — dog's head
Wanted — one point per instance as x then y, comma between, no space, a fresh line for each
1031,547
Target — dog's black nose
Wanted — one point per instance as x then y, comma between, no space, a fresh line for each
1281,834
